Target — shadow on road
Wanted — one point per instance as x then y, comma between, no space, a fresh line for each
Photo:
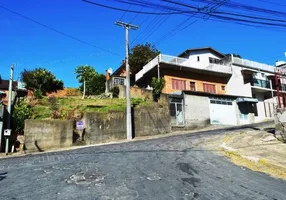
3,175
37,146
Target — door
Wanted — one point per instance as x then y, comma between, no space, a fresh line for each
222,111
176,111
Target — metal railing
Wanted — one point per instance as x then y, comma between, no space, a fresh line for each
253,64
184,62
150,65
258,82
261,83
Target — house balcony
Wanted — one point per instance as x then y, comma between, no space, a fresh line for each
253,65
261,83
264,85
181,63
258,83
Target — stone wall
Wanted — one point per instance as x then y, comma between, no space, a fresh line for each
280,125
41,135
106,127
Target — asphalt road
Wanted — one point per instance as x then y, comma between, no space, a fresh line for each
166,168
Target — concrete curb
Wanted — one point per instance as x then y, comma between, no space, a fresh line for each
146,138
279,170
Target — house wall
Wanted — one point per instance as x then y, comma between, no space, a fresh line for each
236,86
197,111
199,79
204,58
260,106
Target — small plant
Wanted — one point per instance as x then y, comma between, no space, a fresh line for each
52,100
38,94
59,114
115,92
157,84
137,101
21,112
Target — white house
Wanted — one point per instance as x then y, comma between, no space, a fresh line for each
239,91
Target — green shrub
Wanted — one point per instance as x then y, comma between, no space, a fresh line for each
157,84
38,94
21,112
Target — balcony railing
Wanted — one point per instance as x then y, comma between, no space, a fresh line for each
258,83
261,83
178,61
252,64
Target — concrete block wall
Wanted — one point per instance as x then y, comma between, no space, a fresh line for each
106,127
41,135
197,111
151,120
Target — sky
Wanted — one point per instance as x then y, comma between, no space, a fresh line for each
29,45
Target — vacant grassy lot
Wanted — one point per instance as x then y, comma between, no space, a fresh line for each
66,107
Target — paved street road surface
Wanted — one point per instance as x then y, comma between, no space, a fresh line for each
166,168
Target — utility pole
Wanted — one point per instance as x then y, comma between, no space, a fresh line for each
158,68
127,26
7,132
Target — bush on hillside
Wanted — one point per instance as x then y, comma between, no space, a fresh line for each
21,112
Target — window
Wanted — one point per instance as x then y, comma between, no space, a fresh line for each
193,86
223,87
198,58
118,81
222,101
210,88
178,84
214,60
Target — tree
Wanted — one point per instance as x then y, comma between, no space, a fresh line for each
93,83
96,85
21,112
157,84
84,74
41,80
140,55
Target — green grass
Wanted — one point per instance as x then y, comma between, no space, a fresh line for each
43,109
41,112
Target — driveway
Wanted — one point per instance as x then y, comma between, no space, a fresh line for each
166,168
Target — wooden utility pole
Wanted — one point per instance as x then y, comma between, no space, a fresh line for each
127,26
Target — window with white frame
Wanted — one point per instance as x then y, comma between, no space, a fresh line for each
118,81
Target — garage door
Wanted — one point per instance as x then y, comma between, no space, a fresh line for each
222,111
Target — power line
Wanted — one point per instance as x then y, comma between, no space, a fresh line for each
278,4
125,12
59,32
135,11
232,18
172,32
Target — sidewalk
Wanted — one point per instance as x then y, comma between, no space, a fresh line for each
258,150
